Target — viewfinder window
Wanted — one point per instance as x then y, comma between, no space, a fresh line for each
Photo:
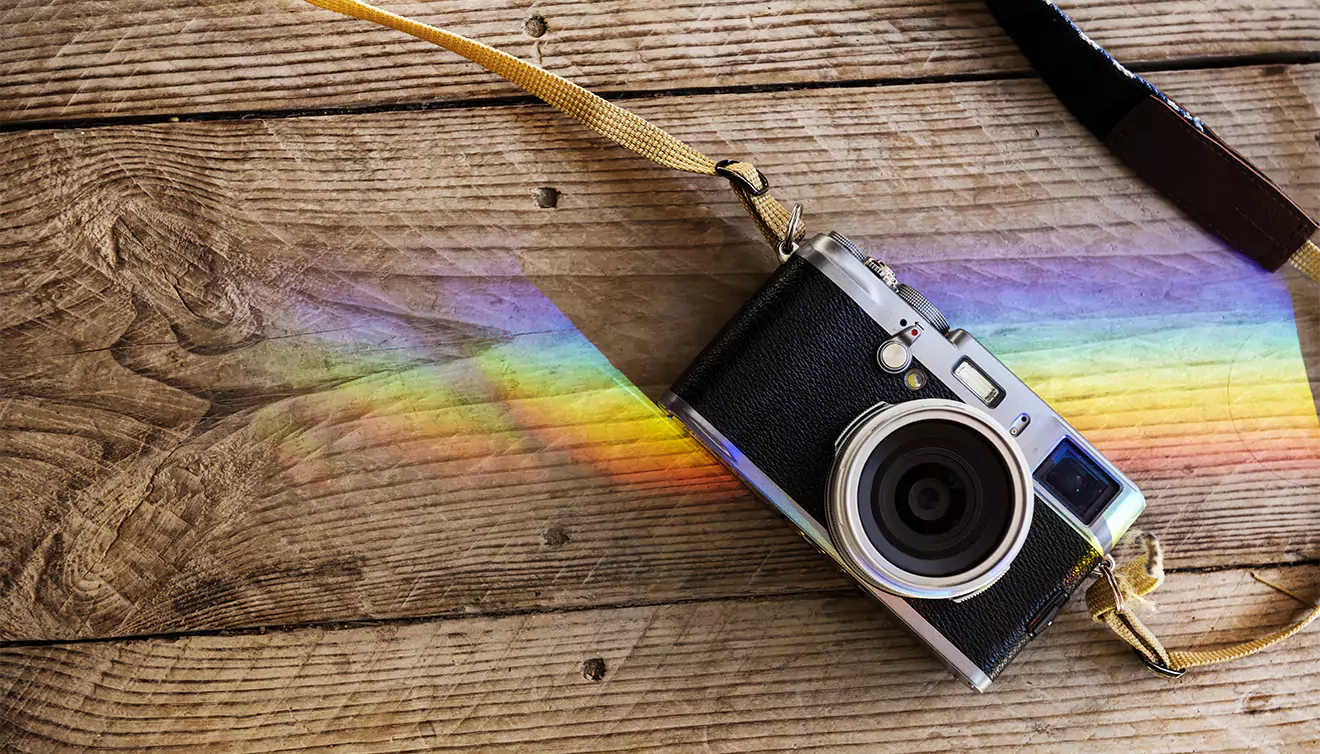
1077,481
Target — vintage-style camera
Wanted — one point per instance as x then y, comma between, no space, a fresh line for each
907,453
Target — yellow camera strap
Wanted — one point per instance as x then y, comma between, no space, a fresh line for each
1111,597
609,120
1108,599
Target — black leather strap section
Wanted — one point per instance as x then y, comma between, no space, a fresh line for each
1215,185
1166,145
1096,88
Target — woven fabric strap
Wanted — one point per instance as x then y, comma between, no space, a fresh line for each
608,120
1110,601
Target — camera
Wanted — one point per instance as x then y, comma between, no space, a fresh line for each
907,453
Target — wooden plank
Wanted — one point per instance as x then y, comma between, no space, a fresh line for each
75,59
261,373
788,674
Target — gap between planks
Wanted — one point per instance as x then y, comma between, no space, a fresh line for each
411,620
624,95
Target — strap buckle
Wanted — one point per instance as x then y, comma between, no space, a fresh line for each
1158,668
740,181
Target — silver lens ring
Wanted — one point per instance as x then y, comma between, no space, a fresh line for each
843,508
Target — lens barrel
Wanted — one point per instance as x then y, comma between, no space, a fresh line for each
929,499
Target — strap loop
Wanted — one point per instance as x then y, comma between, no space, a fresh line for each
1109,600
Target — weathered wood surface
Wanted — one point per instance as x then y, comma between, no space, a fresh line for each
827,673
305,370
83,59
238,356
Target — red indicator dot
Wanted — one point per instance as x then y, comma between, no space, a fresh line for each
914,332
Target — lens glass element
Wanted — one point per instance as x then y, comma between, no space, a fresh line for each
936,498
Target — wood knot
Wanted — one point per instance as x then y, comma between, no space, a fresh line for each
536,27
160,231
173,256
593,669
555,536
546,197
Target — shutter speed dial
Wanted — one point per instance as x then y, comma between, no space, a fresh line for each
909,294
917,301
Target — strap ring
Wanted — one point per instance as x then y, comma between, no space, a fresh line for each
739,181
788,244
1106,568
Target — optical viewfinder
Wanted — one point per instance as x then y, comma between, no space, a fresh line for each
1077,481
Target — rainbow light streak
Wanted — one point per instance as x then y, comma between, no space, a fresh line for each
494,383
1170,366
1172,376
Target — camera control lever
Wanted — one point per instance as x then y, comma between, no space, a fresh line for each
882,271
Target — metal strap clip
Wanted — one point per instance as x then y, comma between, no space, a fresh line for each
740,182
788,244
1157,668
1106,569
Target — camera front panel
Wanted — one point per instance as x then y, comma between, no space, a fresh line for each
775,390
792,369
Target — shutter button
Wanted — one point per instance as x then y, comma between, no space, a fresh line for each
893,356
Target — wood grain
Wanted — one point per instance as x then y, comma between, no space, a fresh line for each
271,372
83,59
789,674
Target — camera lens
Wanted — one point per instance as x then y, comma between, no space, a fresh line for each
934,500
936,497
930,498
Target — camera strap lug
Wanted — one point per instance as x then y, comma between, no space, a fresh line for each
1110,600
1106,572
788,244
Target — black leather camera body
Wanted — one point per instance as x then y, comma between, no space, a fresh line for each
907,453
